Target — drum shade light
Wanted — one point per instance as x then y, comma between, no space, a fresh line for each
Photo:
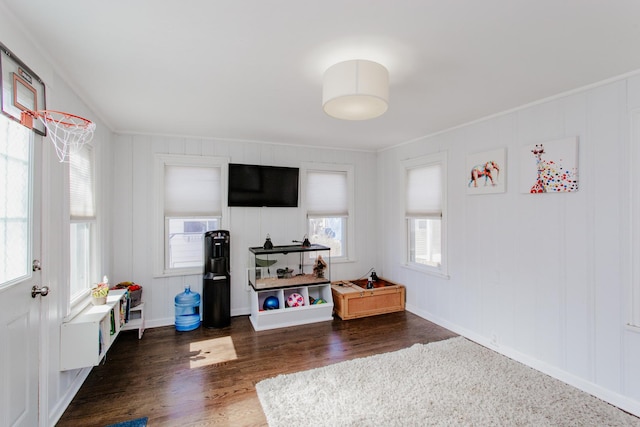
355,90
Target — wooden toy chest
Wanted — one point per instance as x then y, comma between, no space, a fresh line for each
352,300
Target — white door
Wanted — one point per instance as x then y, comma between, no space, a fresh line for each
20,207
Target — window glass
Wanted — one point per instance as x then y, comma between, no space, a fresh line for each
80,247
425,241
329,231
185,240
15,200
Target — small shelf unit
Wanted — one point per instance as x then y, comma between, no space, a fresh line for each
135,320
285,270
85,339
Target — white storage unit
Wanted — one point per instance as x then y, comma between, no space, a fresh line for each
285,270
85,339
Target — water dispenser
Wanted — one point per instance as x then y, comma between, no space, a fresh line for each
216,286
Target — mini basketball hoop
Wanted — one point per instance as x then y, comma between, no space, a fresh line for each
67,131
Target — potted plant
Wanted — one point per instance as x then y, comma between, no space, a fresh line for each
99,294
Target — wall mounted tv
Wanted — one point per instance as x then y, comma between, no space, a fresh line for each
254,185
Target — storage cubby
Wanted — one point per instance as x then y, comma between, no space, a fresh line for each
319,293
300,291
283,271
85,339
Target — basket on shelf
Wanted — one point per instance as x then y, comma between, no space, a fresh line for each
135,292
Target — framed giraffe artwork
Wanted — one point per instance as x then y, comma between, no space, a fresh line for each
487,172
550,167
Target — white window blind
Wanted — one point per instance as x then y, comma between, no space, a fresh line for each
192,191
81,198
424,192
327,193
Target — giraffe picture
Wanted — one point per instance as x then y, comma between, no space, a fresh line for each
549,167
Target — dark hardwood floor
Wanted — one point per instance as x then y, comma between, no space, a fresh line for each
207,376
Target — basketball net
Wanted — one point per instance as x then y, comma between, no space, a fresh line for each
68,132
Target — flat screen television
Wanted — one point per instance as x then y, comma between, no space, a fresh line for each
254,185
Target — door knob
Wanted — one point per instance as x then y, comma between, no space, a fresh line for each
43,291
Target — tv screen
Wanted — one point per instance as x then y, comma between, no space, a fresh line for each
254,185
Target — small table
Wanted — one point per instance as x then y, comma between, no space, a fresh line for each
352,299
136,320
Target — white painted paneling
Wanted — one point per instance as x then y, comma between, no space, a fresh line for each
537,275
606,105
133,227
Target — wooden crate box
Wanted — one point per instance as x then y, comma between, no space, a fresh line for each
352,300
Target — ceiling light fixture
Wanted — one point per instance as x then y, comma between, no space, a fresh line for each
355,90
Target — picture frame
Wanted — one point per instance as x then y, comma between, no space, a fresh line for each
549,167
487,172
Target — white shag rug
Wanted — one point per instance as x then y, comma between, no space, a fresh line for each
448,383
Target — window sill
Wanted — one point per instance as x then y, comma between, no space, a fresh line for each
632,328
77,306
427,270
341,260
182,272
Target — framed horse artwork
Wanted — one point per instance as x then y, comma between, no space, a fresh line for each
487,172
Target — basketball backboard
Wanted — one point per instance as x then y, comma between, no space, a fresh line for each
22,89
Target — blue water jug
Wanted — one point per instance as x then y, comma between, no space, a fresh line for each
187,305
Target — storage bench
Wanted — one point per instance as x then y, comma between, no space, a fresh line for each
352,299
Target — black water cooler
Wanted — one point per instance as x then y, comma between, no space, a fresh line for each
216,284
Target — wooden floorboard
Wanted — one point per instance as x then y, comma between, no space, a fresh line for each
207,376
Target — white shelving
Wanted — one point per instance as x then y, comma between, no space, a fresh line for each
289,316
85,339
136,320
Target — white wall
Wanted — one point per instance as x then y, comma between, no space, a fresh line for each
62,386
133,230
542,278
58,388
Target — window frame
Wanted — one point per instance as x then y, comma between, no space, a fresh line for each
419,162
160,231
306,167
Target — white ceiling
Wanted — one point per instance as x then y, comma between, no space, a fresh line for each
252,69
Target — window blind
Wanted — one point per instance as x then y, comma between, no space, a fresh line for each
424,192
192,191
327,193
81,195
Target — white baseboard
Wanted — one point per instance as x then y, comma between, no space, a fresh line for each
170,321
56,413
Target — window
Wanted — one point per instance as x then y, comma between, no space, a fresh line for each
191,197
425,212
328,199
82,227
15,201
